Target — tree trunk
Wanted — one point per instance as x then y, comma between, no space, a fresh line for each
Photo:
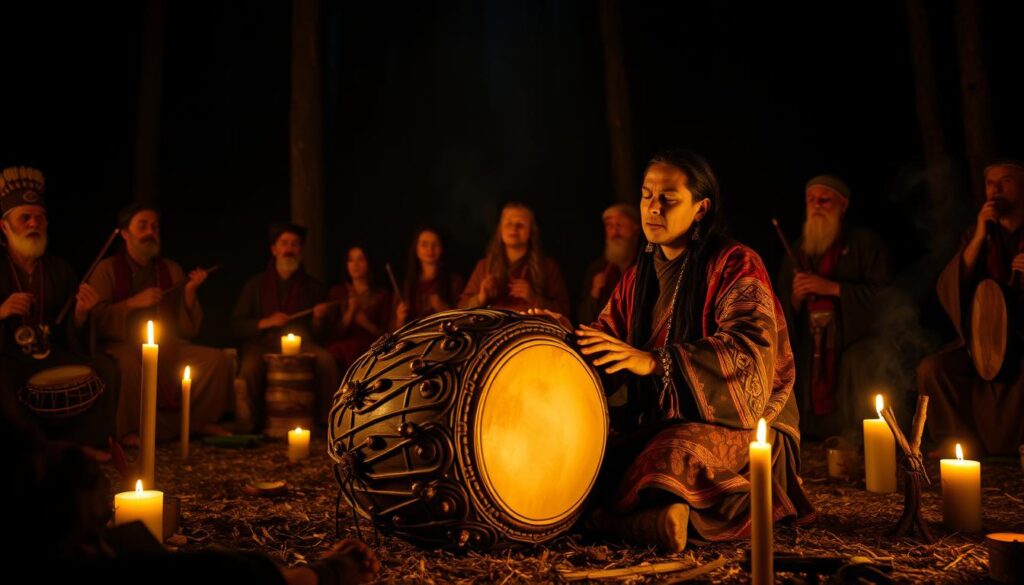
974,93
617,94
306,124
933,142
147,131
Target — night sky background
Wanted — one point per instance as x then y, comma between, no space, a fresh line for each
440,112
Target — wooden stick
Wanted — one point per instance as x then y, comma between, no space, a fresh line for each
181,283
305,312
785,244
890,418
654,569
394,283
917,429
103,251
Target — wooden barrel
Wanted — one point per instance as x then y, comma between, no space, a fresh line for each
290,394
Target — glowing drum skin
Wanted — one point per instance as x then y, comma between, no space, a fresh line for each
470,429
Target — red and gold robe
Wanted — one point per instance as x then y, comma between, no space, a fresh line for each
693,441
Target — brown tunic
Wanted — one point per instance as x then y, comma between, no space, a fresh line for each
552,296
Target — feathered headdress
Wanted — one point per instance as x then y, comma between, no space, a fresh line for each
21,186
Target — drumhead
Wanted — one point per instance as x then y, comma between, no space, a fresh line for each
539,431
60,375
989,329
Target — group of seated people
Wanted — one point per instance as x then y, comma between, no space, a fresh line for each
692,338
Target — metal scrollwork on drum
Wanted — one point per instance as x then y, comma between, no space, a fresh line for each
401,430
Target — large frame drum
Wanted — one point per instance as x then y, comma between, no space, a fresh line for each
470,429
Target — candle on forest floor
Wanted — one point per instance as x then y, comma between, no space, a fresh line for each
761,571
961,492
147,418
879,453
186,408
144,505
290,344
298,444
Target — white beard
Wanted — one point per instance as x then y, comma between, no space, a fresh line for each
286,265
820,232
620,251
26,245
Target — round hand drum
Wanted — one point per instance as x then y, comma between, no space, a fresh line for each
470,429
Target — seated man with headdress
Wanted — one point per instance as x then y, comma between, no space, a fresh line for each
137,285
72,395
515,274
696,332
264,311
832,306
984,416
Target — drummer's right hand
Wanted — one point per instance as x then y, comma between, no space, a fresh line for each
17,304
989,213
145,299
556,317
276,320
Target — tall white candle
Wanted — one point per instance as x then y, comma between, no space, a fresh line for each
186,409
147,422
961,492
761,571
879,453
291,344
298,444
144,505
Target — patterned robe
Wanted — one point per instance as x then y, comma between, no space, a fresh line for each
693,436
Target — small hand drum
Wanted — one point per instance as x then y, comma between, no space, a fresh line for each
62,391
470,429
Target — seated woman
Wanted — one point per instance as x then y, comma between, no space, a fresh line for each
429,287
697,335
364,310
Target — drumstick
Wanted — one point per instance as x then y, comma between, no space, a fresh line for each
106,246
309,310
394,283
797,265
182,282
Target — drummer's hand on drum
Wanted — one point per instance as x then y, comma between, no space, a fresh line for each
276,320
145,299
556,317
618,355
16,304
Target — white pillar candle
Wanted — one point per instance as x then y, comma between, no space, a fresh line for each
144,505
147,422
186,408
961,492
290,344
298,444
879,453
761,571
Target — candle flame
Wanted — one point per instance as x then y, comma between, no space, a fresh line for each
291,337
879,404
298,429
188,373
762,431
149,331
959,452
138,484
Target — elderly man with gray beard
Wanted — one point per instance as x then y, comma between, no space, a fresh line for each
136,285
831,309
621,233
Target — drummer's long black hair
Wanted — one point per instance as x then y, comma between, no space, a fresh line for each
689,306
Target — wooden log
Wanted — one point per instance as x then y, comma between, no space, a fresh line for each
653,569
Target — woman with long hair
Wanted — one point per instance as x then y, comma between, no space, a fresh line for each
364,307
515,274
697,335
429,286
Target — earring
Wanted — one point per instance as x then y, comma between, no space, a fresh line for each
649,248
696,234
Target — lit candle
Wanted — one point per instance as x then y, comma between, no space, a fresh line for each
961,492
186,408
147,424
144,505
761,571
298,444
879,453
290,344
